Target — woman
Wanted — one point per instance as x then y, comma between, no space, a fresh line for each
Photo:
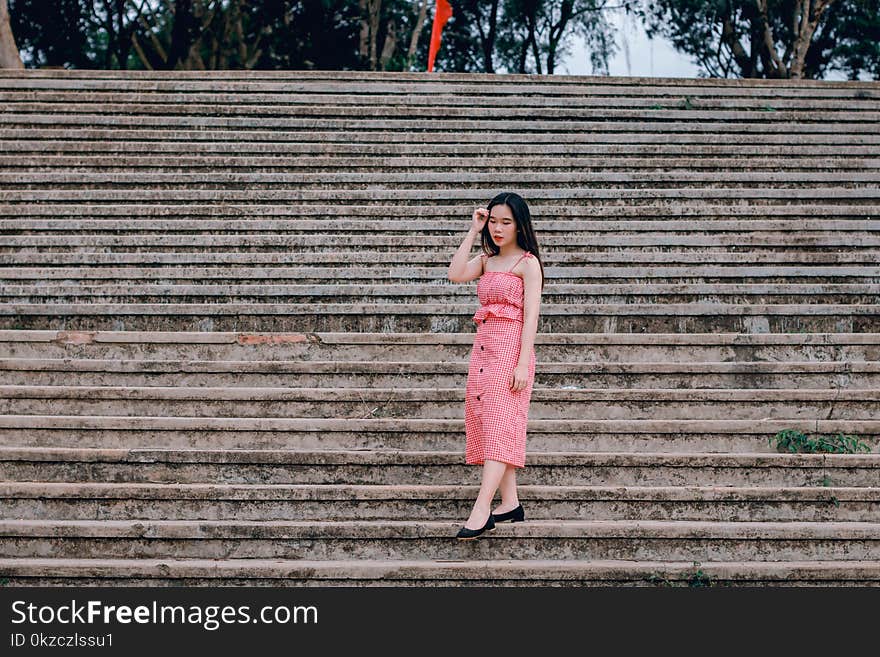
502,364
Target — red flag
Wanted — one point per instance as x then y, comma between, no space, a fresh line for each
442,13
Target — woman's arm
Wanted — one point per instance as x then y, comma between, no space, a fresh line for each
462,270
531,308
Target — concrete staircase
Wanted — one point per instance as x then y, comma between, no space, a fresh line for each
229,353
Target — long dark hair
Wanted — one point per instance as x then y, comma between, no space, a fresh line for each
525,234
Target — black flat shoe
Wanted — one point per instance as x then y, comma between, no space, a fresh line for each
466,534
517,515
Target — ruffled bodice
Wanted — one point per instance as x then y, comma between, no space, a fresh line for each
501,295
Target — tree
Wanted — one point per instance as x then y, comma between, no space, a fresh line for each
9,57
471,34
200,34
390,32
849,41
768,38
524,36
308,34
544,30
527,36
118,20
52,34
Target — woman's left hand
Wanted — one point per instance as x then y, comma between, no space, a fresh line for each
520,378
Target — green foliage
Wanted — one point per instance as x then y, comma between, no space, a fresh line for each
52,33
659,580
524,36
515,36
721,36
699,579
849,41
512,36
795,441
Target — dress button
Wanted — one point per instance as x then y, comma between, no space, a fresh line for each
481,348
481,369
478,398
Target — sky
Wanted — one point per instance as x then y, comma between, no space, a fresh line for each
637,55
640,56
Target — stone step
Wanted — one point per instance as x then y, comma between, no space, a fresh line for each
350,402
435,141
612,97
338,163
14,144
448,216
771,542
352,181
584,296
438,292
171,107
437,353
397,251
72,501
446,317
471,572
278,467
668,275
585,196
680,435
707,242
706,245
387,226
698,97
457,122
553,375
358,258
502,93
466,83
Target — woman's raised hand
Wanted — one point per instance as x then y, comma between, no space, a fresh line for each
481,216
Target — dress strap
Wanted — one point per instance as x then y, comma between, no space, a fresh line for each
527,253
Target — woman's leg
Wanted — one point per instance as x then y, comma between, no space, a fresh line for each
509,498
493,471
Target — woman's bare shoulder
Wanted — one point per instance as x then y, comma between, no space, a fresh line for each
531,267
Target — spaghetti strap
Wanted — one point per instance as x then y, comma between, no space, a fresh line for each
527,253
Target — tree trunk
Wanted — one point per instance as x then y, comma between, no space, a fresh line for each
390,45
489,45
123,36
243,57
807,15
556,32
139,51
774,67
364,43
370,13
417,32
531,16
536,53
9,57
740,56
183,34
375,12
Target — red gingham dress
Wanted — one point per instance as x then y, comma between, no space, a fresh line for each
495,418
